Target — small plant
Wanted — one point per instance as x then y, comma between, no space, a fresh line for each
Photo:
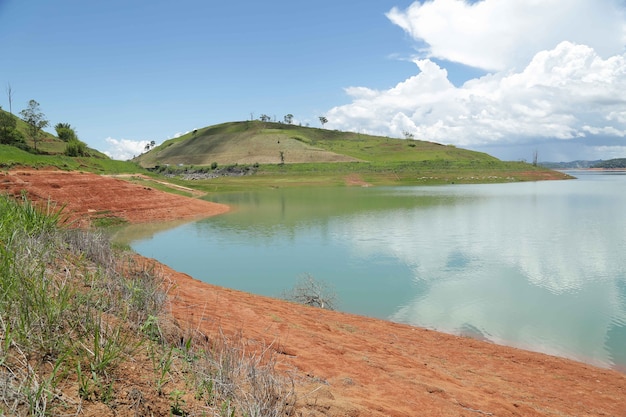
177,403
108,347
162,366
227,409
204,391
150,328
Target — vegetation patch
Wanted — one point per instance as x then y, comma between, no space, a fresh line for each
83,331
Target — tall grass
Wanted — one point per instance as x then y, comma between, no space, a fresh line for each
73,310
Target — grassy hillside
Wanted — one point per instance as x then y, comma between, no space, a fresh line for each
11,157
49,143
281,155
50,153
253,142
254,154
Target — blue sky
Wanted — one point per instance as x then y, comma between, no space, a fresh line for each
507,78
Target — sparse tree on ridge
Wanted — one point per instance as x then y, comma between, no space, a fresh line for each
265,118
289,118
10,95
323,120
35,119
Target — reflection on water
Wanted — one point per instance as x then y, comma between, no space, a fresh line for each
535,265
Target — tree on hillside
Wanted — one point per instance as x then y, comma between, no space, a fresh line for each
9,135
265,118
35,119
65,132
288,118
323,120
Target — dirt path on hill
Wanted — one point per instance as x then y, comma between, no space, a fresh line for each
346,365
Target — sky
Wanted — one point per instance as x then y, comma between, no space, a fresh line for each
509,78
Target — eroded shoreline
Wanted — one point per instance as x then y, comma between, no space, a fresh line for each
346,364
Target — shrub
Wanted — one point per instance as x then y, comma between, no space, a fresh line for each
309,291
75,148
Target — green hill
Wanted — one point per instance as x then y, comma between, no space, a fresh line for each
256,142
48,143
51,153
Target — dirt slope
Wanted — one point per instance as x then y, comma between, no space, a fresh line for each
88,196
347,365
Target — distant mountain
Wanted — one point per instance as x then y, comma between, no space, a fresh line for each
611,164
570,165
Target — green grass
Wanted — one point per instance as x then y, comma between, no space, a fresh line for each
428,172
253,141
325,157
50,314
312,157
73,310
12,157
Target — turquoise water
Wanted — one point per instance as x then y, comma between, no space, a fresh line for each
539,266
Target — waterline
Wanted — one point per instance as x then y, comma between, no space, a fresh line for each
534,265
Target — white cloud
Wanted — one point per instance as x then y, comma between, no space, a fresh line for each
559,72
498,35
125,149
608,152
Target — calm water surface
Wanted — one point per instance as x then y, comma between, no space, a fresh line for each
540,266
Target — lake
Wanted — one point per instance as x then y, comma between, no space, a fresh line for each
540,265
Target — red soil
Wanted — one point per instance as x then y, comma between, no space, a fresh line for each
347,365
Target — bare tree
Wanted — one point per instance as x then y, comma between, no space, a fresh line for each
10,95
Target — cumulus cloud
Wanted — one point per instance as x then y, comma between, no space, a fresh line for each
498,35
557,72
125,149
